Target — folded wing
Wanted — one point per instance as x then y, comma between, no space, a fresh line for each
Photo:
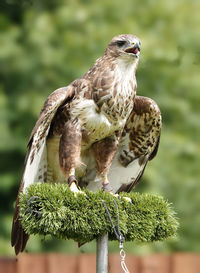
36,159
138,145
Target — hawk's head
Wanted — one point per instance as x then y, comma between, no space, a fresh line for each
124,45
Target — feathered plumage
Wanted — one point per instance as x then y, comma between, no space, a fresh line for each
95,130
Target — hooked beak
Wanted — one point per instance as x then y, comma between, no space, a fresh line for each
135,50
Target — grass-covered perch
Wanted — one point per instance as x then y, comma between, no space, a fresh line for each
56,211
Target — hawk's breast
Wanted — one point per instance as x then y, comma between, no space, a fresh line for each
97,125
102,121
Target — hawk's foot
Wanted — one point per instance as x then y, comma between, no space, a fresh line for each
127,199
107,187
73,185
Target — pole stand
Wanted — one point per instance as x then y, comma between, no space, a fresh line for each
102,254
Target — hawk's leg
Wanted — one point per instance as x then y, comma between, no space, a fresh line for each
104,152
69,152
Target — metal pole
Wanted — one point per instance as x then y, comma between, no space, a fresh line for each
102,254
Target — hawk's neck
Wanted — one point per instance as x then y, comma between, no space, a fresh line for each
125,70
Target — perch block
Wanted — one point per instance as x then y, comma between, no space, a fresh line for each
53,209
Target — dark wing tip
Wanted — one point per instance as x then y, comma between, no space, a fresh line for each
21,243
154,153
18,237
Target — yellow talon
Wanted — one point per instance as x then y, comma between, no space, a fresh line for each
73,187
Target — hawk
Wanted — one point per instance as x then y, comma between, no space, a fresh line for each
96,132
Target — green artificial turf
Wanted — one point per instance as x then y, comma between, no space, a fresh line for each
54,209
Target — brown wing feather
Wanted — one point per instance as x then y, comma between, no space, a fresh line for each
154,153
49,109
62,95
144,124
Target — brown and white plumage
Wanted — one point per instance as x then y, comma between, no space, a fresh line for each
138,145
96,129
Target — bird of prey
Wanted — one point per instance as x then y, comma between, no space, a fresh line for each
96,132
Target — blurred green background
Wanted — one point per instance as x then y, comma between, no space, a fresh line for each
47,44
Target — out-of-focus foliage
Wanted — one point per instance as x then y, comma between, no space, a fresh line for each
47,44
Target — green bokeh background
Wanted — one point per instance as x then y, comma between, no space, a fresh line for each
47,44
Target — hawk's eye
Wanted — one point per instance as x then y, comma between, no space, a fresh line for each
120,43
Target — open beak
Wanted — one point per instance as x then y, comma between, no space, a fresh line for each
135,49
